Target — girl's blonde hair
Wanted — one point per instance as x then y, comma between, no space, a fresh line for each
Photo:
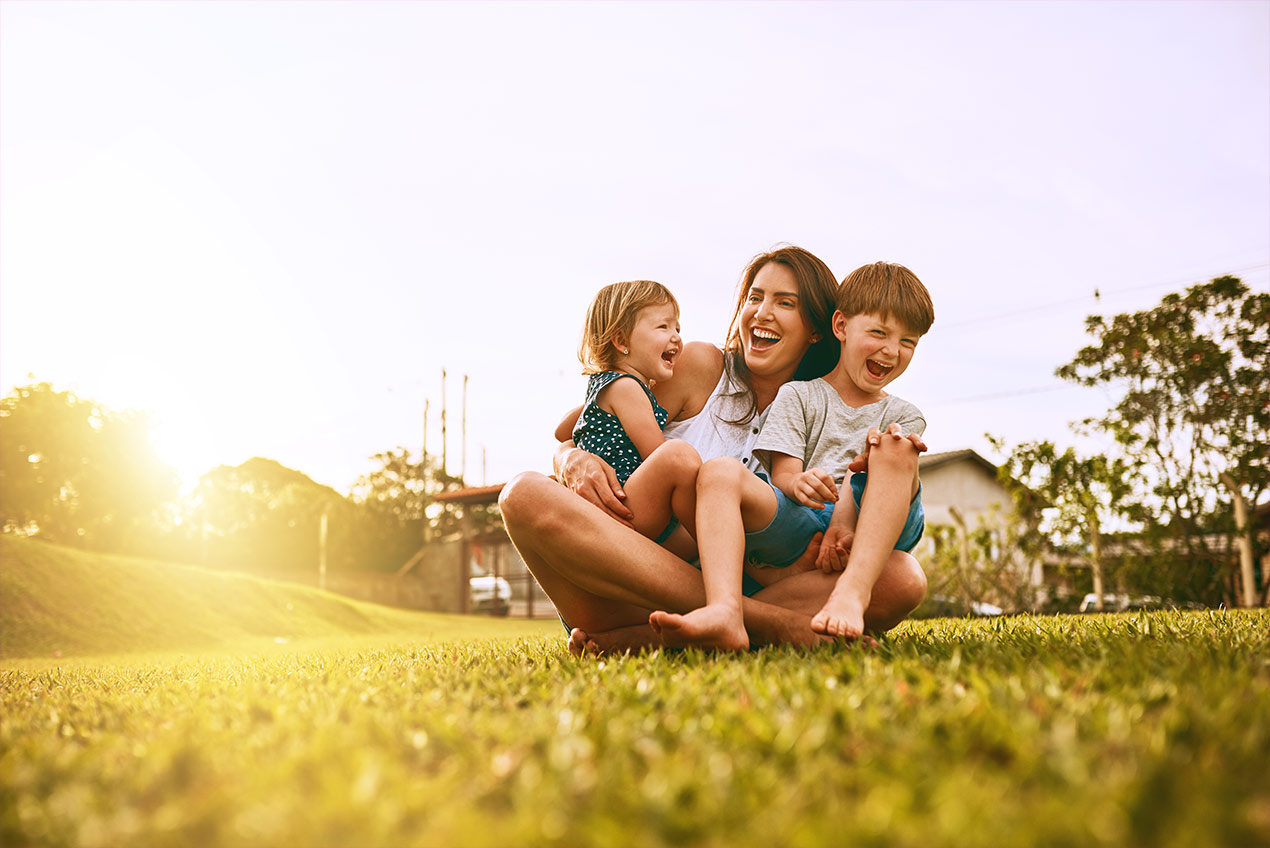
614,311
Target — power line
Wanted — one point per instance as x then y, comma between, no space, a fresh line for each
999,395
1096,296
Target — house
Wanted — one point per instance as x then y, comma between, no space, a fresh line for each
960,480
962,492
475,568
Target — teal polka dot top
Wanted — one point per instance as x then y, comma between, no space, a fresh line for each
600,432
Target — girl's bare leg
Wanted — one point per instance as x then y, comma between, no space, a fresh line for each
735,500
665,484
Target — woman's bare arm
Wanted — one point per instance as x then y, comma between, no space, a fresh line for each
592,478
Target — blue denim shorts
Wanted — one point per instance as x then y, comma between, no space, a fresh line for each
783,541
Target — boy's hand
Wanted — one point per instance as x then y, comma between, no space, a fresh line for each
861,461
814,488
835,548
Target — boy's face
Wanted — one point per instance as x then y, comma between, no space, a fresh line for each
875,349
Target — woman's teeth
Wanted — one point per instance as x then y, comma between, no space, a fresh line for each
762,336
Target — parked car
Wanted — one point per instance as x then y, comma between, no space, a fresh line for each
489,594
1120,603
948,606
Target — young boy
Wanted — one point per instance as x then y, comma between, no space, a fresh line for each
813,432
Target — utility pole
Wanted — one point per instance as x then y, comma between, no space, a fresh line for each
423,472
463,461
322,550
444,449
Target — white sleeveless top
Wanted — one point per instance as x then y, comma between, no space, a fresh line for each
712,436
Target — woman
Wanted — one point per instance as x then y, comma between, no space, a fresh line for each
603,576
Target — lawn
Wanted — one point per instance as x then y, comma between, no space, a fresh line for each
1134,729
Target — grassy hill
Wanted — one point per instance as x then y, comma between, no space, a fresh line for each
57,601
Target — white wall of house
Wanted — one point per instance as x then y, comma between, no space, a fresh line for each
967,481
963,484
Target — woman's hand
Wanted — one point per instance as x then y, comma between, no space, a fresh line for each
593,479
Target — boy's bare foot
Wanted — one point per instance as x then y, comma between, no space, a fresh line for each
842,616
619,640
714,627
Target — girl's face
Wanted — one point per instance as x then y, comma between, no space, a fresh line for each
774,333
653,344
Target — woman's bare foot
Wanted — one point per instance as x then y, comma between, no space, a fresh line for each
842,616
579,643
718,627
619,640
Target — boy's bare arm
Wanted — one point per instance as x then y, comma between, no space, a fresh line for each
813,487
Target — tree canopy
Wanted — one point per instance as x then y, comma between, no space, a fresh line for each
77,473
1189,434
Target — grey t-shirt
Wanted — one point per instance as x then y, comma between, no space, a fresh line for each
809,420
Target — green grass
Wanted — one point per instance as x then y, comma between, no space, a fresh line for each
1137,729
60,602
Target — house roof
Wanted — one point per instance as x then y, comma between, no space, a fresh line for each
930,461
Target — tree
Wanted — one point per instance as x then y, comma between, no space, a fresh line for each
262,516
1083,494
990,561
74,472
1193,420
398,494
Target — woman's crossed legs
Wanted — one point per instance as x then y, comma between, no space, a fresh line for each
606,578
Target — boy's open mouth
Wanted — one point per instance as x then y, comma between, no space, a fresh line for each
877,369
762,338
668,357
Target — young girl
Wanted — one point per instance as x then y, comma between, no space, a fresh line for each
629,343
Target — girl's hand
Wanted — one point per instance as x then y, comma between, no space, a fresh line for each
861,461
835,548
596,481
814,488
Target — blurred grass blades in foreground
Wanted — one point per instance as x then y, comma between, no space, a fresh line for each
1145,728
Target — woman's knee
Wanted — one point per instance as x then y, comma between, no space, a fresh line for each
523,500
910,583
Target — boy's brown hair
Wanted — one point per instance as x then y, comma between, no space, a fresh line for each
885,288
613,311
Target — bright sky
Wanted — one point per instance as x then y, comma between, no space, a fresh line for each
272,224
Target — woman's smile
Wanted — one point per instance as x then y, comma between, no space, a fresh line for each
774,331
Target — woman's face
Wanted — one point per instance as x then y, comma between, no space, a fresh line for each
774,334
